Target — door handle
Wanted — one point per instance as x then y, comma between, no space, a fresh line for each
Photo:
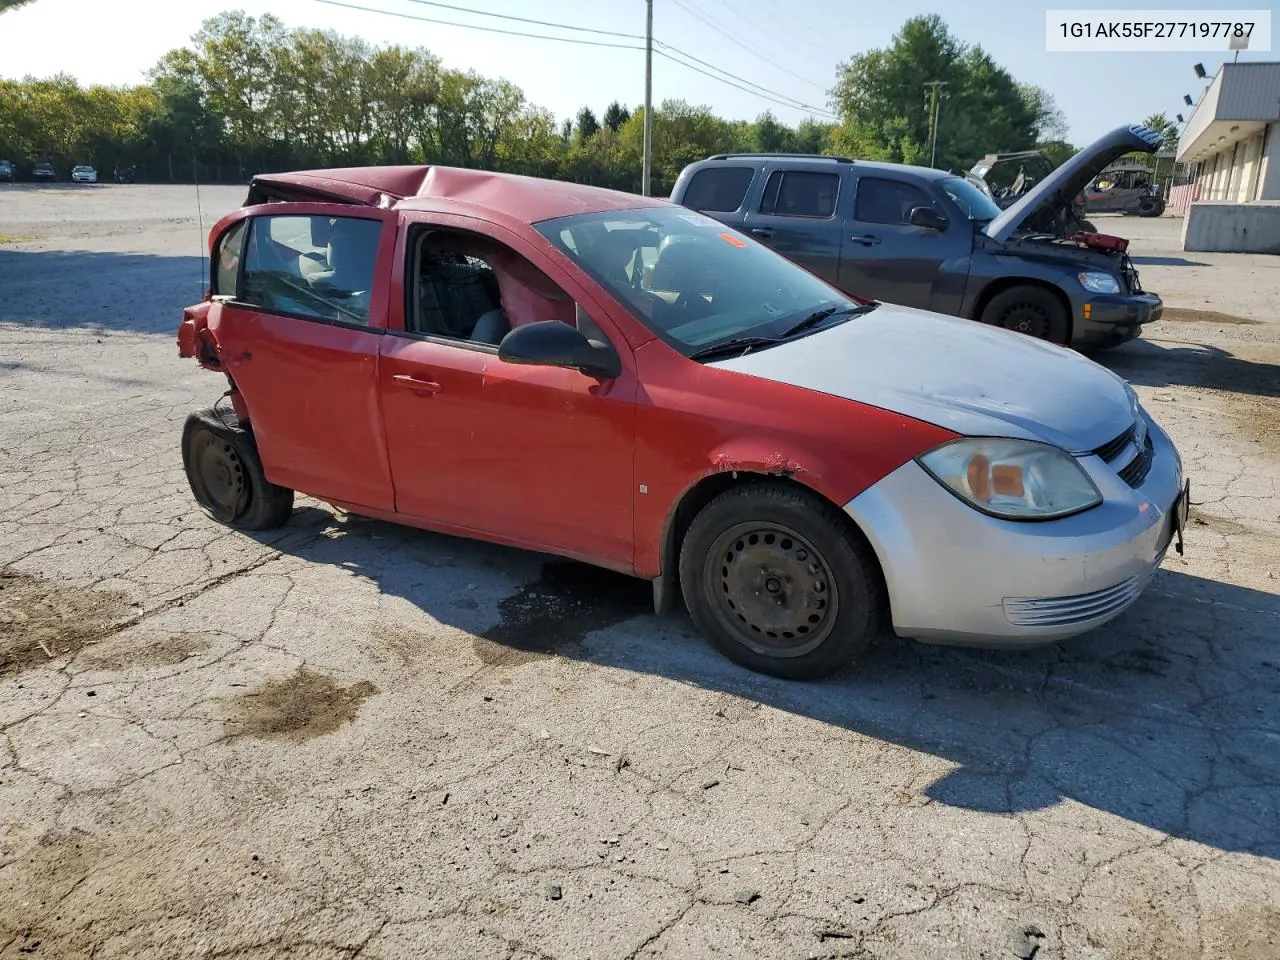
765,232
867,240
413,384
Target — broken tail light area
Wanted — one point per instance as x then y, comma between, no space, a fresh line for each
195,340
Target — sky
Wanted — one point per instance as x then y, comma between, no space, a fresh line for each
790,48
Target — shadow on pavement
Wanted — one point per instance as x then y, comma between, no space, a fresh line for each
1169,717
1166,262
120,292
1152,364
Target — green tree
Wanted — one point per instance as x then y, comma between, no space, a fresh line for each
615,115
885,113
11,4
587,124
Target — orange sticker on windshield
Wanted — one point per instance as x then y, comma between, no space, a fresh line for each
731,239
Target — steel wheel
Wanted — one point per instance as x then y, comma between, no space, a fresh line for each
772,589
219,473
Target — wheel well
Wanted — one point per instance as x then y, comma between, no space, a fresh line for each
1008,283
706,490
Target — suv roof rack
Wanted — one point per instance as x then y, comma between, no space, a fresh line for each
793,156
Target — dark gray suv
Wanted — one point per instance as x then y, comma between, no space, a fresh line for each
930,239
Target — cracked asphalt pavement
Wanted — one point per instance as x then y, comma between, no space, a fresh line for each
345,738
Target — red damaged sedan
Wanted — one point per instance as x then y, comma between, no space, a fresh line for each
623,381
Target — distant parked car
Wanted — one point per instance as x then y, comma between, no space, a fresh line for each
43,171
6,171
925,238
83,174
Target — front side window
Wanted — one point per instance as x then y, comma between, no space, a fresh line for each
690,279
718,189
471,288
226,262
887,201
318,267
798,193
966,195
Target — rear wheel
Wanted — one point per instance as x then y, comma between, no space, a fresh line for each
1150,207
1030,310
778,582
226,476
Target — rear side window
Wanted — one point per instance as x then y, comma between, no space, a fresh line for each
887,201
315,267
226,262
799,193
718,189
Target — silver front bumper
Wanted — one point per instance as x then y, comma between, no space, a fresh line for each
958,576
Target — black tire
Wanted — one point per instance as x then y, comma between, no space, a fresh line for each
817,570
1086,226
1150,207
222,465
1034,311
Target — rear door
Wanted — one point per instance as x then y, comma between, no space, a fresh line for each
800,215
886,258
300,304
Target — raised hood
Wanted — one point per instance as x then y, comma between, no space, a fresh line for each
969,378
1072,177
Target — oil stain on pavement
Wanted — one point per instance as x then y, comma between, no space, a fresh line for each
299,707
557,611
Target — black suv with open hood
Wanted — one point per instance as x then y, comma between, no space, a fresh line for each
931,239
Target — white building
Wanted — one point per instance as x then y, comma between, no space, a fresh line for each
1233,139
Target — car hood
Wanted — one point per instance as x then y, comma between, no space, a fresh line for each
966,377
1072,177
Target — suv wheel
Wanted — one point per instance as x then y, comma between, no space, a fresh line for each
1030,310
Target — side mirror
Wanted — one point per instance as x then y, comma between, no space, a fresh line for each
550,343
928,218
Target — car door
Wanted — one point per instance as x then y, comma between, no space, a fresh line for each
884,257
539,457
300,302
798,215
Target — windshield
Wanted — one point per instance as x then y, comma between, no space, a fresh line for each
690,279
977,206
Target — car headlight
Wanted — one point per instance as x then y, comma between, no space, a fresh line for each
1013,479
1099,283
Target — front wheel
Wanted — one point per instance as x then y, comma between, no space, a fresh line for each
1034,311
779,583
226,476
1151,207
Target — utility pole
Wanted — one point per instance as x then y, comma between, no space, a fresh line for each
648,98
934,98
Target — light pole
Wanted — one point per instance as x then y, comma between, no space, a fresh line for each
935,97
648,98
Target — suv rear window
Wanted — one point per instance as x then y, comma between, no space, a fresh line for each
718,189
795,193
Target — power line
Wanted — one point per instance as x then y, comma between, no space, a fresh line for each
475,26
775,35
705,73
540,23
754,52
741,84
761,91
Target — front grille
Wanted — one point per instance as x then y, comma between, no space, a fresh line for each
1136,470
1064,611
1113,448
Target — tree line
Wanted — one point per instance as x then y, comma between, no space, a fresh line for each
249,94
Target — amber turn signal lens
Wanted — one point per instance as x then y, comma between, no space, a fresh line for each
979,477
